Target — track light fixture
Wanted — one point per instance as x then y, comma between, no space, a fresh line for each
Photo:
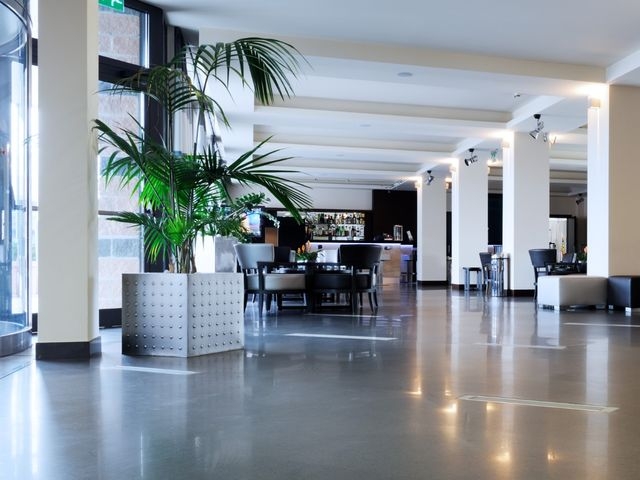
430,178
580,199
535,133
473,158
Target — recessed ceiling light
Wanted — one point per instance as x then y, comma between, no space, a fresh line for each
405,74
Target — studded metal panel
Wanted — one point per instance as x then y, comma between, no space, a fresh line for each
182,315
216,313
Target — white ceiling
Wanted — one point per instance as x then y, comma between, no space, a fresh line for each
476,70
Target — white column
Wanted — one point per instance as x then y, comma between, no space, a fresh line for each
525,204
431,261
613,234
67,249
469,216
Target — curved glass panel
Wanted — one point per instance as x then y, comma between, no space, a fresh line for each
14,200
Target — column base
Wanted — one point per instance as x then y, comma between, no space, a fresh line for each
432,283
68,350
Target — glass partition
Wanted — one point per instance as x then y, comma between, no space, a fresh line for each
14,201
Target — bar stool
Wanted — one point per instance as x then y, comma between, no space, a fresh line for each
467,279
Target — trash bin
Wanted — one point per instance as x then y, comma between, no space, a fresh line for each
406,269
499,271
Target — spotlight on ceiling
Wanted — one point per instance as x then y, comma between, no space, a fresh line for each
580,199
535,133
473,158
430,178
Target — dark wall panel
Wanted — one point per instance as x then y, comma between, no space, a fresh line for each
495,219
395,207
290,233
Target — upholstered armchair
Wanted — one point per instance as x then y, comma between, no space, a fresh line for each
249,254
266,277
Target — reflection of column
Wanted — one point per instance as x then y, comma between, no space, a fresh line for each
597,371
596,437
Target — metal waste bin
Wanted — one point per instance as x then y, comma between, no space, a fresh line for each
499,276
406,269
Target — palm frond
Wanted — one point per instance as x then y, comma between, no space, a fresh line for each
268,64
257,169
189,193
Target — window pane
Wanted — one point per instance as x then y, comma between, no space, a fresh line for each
118,252
119,246
123,34
116,111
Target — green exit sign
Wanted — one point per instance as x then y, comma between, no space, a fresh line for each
117,5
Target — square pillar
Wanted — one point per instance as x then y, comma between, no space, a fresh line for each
431,261
613,170
68,212
469,216
525,205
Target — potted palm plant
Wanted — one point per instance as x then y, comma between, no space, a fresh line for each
184,191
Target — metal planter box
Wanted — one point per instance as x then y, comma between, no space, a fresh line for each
182,315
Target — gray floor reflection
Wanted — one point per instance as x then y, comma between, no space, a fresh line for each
437,385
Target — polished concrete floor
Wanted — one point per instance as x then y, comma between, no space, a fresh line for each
438,385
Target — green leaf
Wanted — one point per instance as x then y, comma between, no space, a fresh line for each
183,195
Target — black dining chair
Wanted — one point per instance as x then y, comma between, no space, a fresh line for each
542,259
249,254
283,254
327,283
365,263
485,263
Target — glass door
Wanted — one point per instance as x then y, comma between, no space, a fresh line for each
14,200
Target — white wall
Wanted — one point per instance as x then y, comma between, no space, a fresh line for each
563,205
342,198
327,198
